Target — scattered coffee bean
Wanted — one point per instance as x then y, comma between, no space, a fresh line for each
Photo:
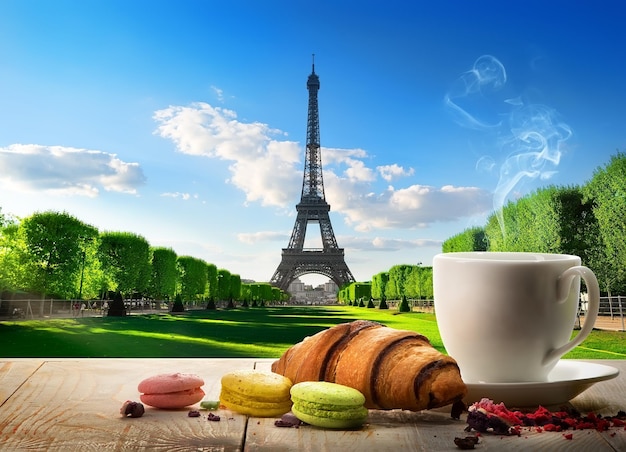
469,442
132,409
288,420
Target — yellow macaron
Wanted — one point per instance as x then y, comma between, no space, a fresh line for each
256,393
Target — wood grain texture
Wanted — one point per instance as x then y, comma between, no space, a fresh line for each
14,373
74,405
61,405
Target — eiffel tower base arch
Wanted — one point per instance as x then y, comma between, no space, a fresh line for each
295,263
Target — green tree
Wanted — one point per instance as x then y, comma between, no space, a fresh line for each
192,273
164,274
404,305
178,305
549,220
211,270
420,282
578,227
379,283
266,293
91,275
412,281
246,294
125,259
211,304
223,284
56,245
12,252
359,290
606,191
117,308
5,219
471,239
255,294
501,236
235,287
398,279
276,294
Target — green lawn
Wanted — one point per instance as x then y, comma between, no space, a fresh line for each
253,332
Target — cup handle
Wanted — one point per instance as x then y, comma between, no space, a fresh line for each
564,287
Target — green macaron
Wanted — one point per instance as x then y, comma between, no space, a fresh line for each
328,405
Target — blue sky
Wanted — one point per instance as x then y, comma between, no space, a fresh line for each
185,121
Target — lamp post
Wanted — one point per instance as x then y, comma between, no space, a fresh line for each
82,275
219,287
84,240
419,281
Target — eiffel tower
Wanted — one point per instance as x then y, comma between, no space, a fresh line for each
297,260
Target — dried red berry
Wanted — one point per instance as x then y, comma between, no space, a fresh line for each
485,416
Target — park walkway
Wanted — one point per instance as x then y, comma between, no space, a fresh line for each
608,323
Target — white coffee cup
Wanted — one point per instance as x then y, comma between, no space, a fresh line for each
508,317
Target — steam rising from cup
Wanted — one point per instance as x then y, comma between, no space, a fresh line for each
487,75
530,136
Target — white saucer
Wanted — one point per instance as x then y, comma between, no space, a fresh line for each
567,380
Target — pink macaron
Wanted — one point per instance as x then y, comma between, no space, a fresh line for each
171,390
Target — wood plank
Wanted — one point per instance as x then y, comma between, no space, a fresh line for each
74,405
401,430
13,374
607,398
435,430
59,405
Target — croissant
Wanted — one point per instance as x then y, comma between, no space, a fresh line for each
394,369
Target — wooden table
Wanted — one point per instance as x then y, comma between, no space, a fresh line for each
73,405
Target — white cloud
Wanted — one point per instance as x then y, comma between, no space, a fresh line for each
66,170
262,236
386,244
264,169
183,196
395,171
269,171
219,93
416,206
271,178
355,171
351,190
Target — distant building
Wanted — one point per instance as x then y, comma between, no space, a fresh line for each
296,287
331,287
305,293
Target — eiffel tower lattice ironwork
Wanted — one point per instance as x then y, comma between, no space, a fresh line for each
297,260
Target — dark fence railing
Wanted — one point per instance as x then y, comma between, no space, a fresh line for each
48,308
